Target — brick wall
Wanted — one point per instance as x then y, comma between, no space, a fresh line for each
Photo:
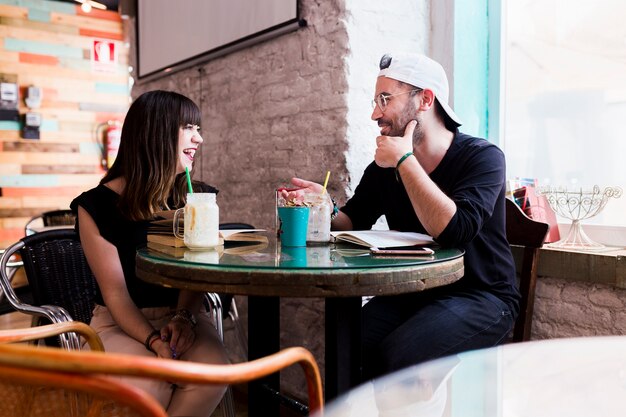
375,28
270,112
573,309
578,293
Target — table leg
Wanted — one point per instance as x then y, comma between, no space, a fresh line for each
343,345
263,340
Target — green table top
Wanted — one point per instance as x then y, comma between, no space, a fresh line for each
272,256
330,270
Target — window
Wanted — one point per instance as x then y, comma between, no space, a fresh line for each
563,95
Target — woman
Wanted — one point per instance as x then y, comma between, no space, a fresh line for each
160,137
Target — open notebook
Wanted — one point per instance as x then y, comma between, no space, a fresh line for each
161,232
382,238
234,235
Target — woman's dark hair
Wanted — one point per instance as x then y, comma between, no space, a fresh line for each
148,153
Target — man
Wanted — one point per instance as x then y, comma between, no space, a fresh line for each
428,177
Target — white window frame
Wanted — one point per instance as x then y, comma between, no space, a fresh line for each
442,49
609,235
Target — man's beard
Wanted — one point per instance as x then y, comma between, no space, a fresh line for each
398,126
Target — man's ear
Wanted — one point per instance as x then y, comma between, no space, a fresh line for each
427,100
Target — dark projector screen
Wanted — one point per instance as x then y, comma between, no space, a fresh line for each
173,35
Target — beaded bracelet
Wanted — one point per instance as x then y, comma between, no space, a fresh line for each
404,157
335,210
148,343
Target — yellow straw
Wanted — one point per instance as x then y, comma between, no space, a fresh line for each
326,182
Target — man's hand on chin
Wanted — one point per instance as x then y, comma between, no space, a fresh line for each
391,148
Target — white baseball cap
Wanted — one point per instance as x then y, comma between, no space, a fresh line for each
421,72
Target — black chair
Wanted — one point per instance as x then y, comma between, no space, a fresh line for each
54,218
59,279
523,231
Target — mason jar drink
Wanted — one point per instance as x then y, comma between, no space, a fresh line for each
201,219
320,207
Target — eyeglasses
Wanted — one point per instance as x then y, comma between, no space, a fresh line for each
382,99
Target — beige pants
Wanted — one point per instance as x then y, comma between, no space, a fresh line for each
179,399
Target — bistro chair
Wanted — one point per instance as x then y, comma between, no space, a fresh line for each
50,393
63,287
38,379
228,301
29,334
13,265
59,279
50,218
41,391
530,234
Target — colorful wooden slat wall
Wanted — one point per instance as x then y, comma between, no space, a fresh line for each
48,44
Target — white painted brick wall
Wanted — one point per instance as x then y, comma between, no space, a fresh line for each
375,28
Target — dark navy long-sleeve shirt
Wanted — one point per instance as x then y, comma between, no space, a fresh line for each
472,174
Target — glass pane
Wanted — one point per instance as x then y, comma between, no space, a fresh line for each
565,95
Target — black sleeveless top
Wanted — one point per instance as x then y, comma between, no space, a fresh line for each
126,235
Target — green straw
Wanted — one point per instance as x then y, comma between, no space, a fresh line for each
188,180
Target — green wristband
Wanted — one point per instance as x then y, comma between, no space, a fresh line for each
405,156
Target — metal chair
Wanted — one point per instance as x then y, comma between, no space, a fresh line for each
12,267
50,218
63,287
228,301
530,234
47,219
41,391
45,381
59,279
30,334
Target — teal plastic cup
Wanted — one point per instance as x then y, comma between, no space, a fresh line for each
294,222
293,256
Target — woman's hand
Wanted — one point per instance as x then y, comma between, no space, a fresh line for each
162,348
178,335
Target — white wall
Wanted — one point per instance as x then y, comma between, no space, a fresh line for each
374,29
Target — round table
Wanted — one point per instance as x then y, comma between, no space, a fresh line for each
576,377
339,273
313,271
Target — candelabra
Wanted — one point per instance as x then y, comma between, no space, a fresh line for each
577,206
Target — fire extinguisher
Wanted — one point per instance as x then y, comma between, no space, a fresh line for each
108,135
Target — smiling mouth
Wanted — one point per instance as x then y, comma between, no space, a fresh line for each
190,152
384,128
